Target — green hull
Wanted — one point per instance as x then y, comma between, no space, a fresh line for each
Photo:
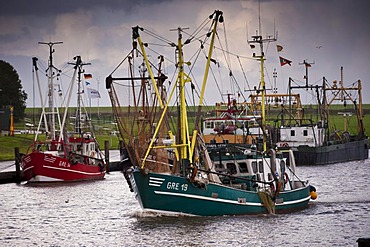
174,194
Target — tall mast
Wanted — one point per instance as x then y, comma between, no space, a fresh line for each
51,75
217,18
78,65
257,39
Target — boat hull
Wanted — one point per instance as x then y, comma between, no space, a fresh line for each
43,167
336,153
173,194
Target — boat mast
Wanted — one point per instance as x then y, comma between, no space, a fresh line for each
217,17
307,65
51,74
257,39
79,66
185,146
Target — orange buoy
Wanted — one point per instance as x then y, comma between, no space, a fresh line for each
313,195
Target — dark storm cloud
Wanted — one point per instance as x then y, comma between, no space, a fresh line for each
100,30
51,7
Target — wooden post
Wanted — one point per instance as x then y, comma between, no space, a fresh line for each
106,151
17,165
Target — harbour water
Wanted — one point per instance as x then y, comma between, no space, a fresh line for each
105,213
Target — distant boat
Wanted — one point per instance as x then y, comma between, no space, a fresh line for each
64,155
324,142
314,142
171,171
231,124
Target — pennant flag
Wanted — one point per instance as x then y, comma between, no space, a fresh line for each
87,83
279,48
87,76
284,61
93,93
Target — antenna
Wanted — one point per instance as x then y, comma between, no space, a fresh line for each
258,39
307,65
259,18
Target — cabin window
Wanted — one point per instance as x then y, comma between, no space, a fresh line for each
243,167
260,166
219,166
292,132
209,125
231,168
282,167
254,166
305,132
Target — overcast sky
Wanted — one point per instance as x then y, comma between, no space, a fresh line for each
330,33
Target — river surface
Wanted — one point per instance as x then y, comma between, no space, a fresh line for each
105,213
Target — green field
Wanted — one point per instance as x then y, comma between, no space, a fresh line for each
103,121
23,141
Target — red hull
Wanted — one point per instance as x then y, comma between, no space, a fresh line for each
44,167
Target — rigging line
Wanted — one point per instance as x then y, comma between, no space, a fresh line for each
228,62
226,43
268,77
244,75
154,35
214,77
167,59
199,28
124,85
237,85
151,63
194,36
121,62
228,52
156,44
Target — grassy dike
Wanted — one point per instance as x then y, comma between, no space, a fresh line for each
103,126
23,141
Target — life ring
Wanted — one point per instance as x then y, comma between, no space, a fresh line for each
286,178
285,144
92,154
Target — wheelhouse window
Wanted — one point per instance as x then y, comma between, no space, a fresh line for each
209,125
282,166
305,132
254,166
231,168
260,166
243,167
292,132
219,166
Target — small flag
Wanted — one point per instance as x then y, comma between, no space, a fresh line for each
87,76
93,93
284,61
307,65
87,83
279,48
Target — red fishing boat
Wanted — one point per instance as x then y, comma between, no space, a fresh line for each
64,155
